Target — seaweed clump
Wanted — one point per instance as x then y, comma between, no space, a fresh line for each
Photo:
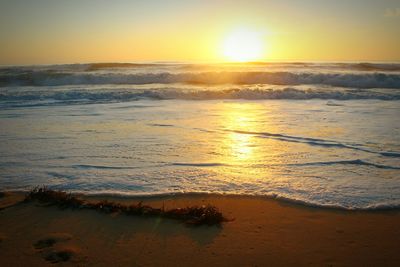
194,215
197,215
54,197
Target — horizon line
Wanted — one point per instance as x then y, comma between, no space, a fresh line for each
160,62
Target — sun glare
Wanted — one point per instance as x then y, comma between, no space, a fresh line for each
243,45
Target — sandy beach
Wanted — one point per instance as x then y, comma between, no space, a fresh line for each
264,232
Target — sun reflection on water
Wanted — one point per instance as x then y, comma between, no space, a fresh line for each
240,144
241,117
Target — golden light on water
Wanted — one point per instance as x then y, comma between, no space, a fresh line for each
243,45
240,146
239,118
244,124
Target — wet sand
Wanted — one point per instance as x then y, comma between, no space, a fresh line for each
264,232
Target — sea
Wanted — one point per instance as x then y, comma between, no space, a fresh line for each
321,134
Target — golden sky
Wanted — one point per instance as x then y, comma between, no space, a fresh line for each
54,31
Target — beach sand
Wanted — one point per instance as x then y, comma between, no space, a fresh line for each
264,232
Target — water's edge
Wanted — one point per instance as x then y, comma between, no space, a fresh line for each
159,196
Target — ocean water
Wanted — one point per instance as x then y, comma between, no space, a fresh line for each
325,134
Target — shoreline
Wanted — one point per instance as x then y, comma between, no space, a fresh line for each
121,197
264,232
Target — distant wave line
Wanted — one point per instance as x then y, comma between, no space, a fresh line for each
57,78
49,97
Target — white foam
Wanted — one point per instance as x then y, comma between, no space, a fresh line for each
54,78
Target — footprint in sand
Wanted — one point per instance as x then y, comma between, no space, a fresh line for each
52,239
62,254
44,243
2,237
54,249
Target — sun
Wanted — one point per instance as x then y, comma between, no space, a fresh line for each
243,45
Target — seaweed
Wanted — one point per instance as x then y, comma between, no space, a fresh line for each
192,215
197,215
54,197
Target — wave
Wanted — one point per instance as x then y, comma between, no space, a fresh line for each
86,166
50,97
353,205
359,162
373,66
391,154
348,162
58,78
318,142
208,164
160,125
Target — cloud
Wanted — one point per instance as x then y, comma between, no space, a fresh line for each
392,12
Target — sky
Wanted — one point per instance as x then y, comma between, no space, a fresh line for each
79,31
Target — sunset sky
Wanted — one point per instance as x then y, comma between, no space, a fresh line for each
76,31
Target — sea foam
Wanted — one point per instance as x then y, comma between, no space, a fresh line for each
55,78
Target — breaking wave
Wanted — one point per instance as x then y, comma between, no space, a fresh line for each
58,78
50,96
